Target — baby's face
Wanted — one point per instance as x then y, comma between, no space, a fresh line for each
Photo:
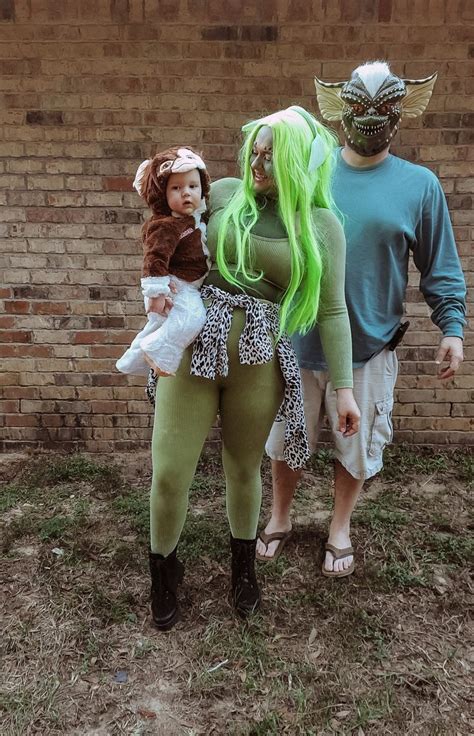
183,192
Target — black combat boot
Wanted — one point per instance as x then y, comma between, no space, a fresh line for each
166,574
245,590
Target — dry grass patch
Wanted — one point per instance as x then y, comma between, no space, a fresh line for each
383,652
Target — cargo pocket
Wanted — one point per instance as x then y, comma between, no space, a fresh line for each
382,428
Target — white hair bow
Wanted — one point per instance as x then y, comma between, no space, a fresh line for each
276,117
318,155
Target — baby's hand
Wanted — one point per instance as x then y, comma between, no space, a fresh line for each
160,304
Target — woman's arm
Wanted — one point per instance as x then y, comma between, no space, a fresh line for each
333,320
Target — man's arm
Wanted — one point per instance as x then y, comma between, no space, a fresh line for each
442,282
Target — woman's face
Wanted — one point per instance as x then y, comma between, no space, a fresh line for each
261,162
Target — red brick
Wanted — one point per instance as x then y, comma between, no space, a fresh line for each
117,184
8,336
50,307
385,11
31,351
9,407
24,392
17,307
21,420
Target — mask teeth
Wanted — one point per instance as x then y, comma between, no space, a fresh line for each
370,129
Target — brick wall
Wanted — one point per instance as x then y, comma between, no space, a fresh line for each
90,87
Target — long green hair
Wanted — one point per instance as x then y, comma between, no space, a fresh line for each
298,191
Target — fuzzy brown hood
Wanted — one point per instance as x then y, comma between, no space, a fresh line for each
156,175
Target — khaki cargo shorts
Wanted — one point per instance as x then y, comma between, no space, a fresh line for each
361,455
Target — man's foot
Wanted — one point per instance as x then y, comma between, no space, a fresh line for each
268,548
339,559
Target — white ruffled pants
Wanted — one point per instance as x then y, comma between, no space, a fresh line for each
164,339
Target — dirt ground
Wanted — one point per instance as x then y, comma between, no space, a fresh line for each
386,651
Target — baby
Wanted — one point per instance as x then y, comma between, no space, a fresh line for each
175,185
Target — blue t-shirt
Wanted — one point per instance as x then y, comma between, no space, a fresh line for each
388,210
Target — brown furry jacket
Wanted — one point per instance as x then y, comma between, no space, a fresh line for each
173,246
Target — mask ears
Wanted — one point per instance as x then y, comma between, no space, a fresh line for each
418,95
329,99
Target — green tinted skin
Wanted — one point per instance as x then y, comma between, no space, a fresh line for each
261,162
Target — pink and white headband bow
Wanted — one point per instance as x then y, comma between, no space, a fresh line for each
319,151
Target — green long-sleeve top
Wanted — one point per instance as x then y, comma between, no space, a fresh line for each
271,252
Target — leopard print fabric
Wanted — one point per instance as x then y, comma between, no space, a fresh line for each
256,347
150,389
210,359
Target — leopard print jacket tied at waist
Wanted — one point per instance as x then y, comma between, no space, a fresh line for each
256,346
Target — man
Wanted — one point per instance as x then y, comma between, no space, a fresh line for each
389,207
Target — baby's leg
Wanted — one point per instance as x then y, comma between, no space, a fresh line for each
133,361
186,319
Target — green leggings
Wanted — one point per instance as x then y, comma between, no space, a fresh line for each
186,408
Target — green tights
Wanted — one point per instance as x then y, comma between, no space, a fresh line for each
186,408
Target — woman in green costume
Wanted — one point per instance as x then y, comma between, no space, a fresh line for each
278,260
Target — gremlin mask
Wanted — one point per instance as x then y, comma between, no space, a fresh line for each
371,103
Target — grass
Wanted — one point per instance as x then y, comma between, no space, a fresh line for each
209,485
90,656
380,518
373,709
321,463
395,574
134,507
380,652
401,462
68,469
36,696
444,548
269,726
111,608
11,496
204,537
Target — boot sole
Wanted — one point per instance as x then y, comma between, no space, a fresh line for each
245,612
167,625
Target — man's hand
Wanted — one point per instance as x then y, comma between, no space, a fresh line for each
348,412
450,348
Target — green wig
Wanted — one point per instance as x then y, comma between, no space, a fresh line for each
302,169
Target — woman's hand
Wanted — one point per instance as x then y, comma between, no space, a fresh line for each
160,304
348,412
157,371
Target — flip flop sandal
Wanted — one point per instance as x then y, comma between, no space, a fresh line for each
338,554
283,537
